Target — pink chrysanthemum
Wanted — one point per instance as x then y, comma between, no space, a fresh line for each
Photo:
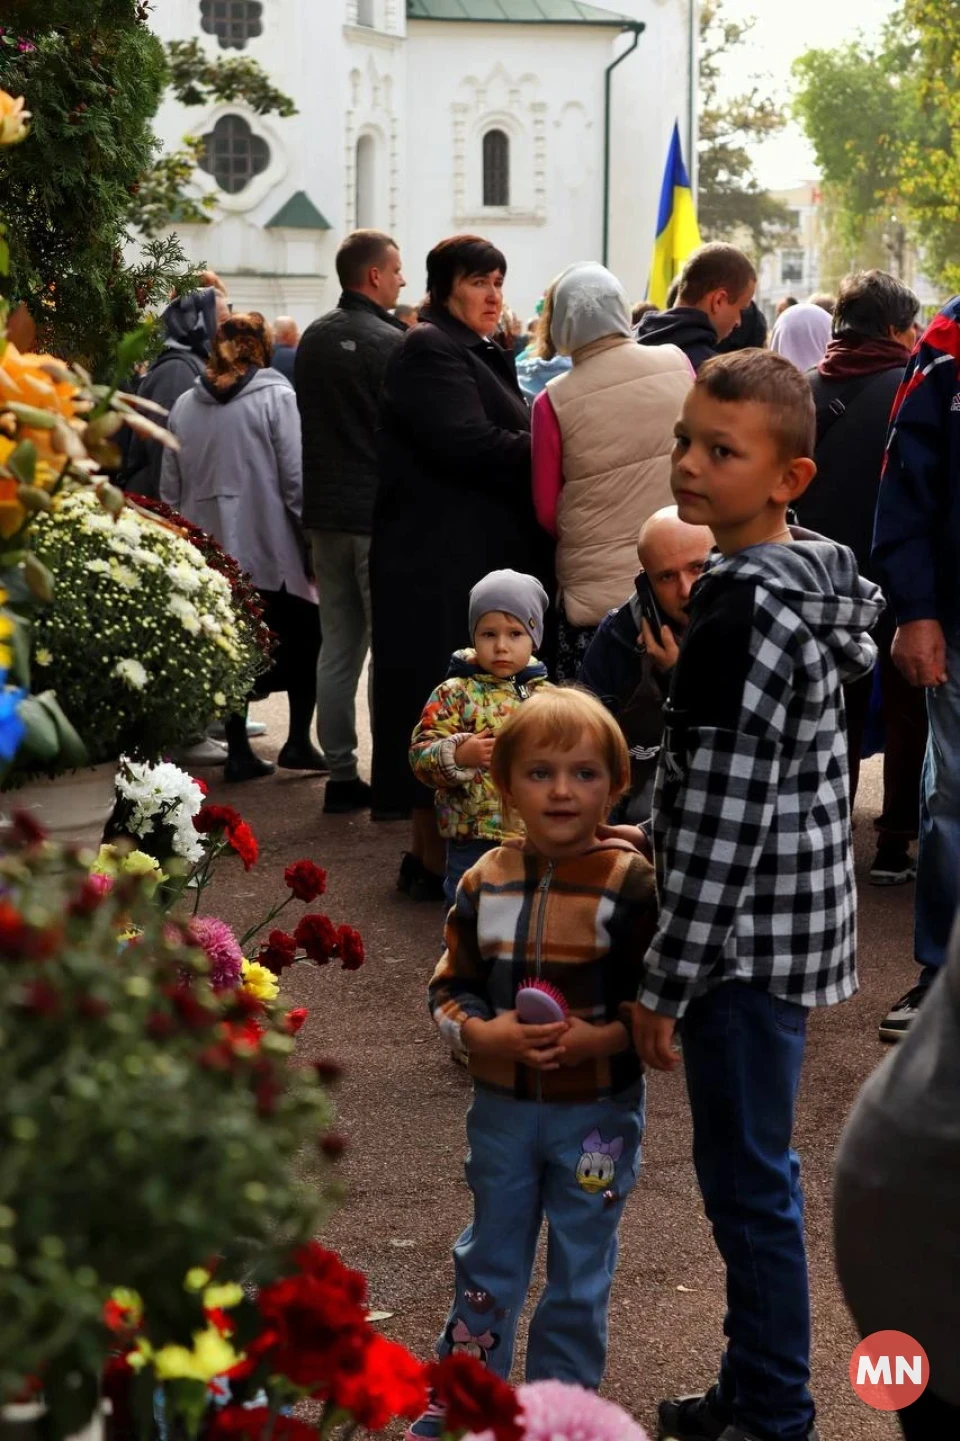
556,1411
220,945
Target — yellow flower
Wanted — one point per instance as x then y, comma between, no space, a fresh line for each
43,656
258,981
129,1301
107,862
212,1355
13,119
197,1278
223,1297
111,861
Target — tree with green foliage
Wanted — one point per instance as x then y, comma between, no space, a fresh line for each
729,196
87,178
884,122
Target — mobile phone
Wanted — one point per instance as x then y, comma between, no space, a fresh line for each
649,608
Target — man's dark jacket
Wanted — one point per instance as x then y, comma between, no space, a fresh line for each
190,323
284,358
685,327
841,500
621,674
338,375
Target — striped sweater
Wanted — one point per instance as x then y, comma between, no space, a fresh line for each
583,924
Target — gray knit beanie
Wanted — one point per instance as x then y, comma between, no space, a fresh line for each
514,593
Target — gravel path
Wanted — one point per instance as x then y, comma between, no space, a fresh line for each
402,1103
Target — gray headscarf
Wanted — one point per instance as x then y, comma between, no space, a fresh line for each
588,304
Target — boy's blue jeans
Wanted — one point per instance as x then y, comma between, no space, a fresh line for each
574,1165
742,1056
938,856
461,855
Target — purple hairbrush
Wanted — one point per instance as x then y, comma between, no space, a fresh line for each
540,1004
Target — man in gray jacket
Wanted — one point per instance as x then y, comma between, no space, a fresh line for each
340,364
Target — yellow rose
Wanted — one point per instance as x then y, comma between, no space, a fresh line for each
258,981
13,119
223,1297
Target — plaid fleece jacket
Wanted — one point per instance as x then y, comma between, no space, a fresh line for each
751,812
582,924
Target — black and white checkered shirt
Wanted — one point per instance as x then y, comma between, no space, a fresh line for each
751,815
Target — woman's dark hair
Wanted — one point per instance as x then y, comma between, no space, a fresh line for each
872,303
456,257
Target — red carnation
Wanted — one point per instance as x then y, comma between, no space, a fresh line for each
306,880
316,1321
317,935
241,1423
333,1145
279,952
26,830
475,1399
13,931
244,842
210,819
293,1020
201,785
392,1383
91,894
350,948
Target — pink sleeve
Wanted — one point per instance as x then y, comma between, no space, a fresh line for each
547,462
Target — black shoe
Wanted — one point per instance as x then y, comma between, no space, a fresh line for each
246,768
691,1418
411,869
302,758
427,886
893,865
901,1016
344,796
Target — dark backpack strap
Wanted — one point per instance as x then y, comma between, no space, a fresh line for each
830,410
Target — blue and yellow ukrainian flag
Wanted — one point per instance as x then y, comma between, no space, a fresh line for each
678,234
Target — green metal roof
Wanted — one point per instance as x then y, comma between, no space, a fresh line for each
299,213
517,12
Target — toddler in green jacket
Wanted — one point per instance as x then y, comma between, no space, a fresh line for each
453,741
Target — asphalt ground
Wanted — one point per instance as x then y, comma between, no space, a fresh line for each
401,1105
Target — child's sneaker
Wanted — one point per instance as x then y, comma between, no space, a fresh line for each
691,1418
430,1426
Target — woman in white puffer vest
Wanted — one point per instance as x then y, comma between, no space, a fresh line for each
602,437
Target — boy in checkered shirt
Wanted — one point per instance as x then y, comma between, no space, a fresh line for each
751,827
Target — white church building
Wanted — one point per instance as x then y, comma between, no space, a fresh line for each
542,124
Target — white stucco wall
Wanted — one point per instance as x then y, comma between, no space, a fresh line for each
420,95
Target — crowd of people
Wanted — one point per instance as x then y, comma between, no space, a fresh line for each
639,589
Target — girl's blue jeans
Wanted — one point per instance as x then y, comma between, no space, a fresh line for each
461,855
574,1165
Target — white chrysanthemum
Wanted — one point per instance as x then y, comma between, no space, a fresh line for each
98,566
147,558
185,612
184,577
124,576
132,673
43,657
219,699
128,528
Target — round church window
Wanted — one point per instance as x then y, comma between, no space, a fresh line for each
233,154
234,22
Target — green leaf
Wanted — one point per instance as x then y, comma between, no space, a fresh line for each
40,739
23,462
73,752
39,580
20,645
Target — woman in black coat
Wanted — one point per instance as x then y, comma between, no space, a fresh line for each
454,503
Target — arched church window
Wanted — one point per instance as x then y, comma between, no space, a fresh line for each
366,194
233,154
496,168
234,22
366,13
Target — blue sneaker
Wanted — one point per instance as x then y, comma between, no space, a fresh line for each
430,1426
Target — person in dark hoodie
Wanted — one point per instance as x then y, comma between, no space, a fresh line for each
854,387
453,742
751,825
238,475
716,286
630,659
190,323
899,1158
